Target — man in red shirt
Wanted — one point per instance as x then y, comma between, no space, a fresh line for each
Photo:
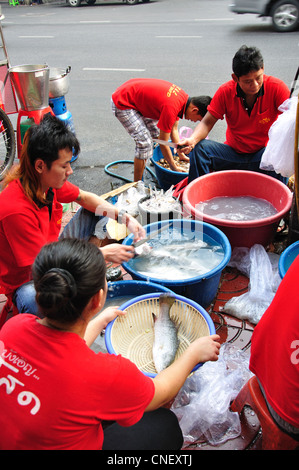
31,210
150,108
275,353
250,103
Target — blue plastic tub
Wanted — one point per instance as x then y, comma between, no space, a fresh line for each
202,288
287,257
166,178
132,289
132,344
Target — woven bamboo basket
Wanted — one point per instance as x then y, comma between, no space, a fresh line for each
132,335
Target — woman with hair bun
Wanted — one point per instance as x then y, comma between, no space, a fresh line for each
57,393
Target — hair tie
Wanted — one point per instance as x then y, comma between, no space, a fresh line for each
68,277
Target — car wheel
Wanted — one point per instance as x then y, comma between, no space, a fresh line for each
74,3
285,15
90,2
131,2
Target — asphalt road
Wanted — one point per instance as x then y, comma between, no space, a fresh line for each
190,43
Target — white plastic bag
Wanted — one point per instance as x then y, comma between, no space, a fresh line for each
279,153
203,404
263,283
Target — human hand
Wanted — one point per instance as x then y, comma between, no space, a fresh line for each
110,313
206,348
134,226
186,146
118,253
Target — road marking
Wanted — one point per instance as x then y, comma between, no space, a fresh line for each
180,37
101,69
36,37
95,21
213,19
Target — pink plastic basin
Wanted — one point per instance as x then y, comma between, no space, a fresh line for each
240,183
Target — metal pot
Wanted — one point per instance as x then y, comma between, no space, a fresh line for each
58,82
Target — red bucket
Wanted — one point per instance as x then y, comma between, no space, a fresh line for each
234,183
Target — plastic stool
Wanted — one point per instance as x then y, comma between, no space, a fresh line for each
272,437
13,2
6,309
36,115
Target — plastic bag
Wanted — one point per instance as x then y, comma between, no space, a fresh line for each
279,153
203,404
263,282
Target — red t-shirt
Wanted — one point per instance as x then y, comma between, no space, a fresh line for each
248,134
275,349
25,229
153,98
55,391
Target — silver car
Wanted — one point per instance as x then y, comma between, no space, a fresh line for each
284,13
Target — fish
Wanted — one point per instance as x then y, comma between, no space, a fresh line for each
166,340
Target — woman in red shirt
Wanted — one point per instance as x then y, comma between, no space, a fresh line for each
56,391
31,210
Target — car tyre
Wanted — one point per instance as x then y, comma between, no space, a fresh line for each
132,2
285,15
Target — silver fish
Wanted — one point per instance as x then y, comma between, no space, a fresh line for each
166,340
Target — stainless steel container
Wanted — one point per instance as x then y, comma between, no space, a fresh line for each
31,83
58,82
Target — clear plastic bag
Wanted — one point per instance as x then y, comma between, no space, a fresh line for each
263,282
279,153
203,404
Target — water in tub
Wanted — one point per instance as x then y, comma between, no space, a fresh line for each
240,208
178,255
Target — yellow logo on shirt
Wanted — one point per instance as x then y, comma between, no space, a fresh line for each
173,89
264,120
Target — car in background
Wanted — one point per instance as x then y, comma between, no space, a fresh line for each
77,3
284,13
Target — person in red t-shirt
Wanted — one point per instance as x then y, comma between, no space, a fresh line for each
274,355
56,392
31,210
249,102
150,108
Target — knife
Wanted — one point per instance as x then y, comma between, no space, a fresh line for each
170,144
151,235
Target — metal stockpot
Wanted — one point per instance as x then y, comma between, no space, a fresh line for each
58,82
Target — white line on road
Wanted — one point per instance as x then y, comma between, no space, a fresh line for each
180,37
36,37
94,21
101,69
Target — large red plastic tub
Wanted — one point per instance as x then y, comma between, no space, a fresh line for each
240,183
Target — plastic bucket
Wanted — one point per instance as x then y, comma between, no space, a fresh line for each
151,216
240,183
121,289
31,83
136,343
166,178
202,288
287,257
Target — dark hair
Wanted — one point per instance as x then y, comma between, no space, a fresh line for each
43,141
48,137
66,275
201,102
246,60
